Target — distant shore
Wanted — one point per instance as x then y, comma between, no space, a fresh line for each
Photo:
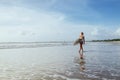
106,40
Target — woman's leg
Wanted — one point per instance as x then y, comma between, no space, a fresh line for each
81,49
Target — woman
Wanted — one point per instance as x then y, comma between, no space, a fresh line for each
81,41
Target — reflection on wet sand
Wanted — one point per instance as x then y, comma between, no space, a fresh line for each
82,63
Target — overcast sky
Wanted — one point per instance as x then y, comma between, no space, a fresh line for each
51,20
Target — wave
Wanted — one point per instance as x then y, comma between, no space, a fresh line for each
13,45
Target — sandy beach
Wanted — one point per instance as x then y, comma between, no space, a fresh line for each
58,61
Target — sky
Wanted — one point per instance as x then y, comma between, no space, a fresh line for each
58,20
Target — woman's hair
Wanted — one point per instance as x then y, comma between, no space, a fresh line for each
82,33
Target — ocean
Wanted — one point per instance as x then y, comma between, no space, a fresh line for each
59,61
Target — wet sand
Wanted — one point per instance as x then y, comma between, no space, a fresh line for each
60,62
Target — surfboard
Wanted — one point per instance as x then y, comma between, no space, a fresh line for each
76,42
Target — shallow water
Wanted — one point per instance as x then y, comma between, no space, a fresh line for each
59,61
